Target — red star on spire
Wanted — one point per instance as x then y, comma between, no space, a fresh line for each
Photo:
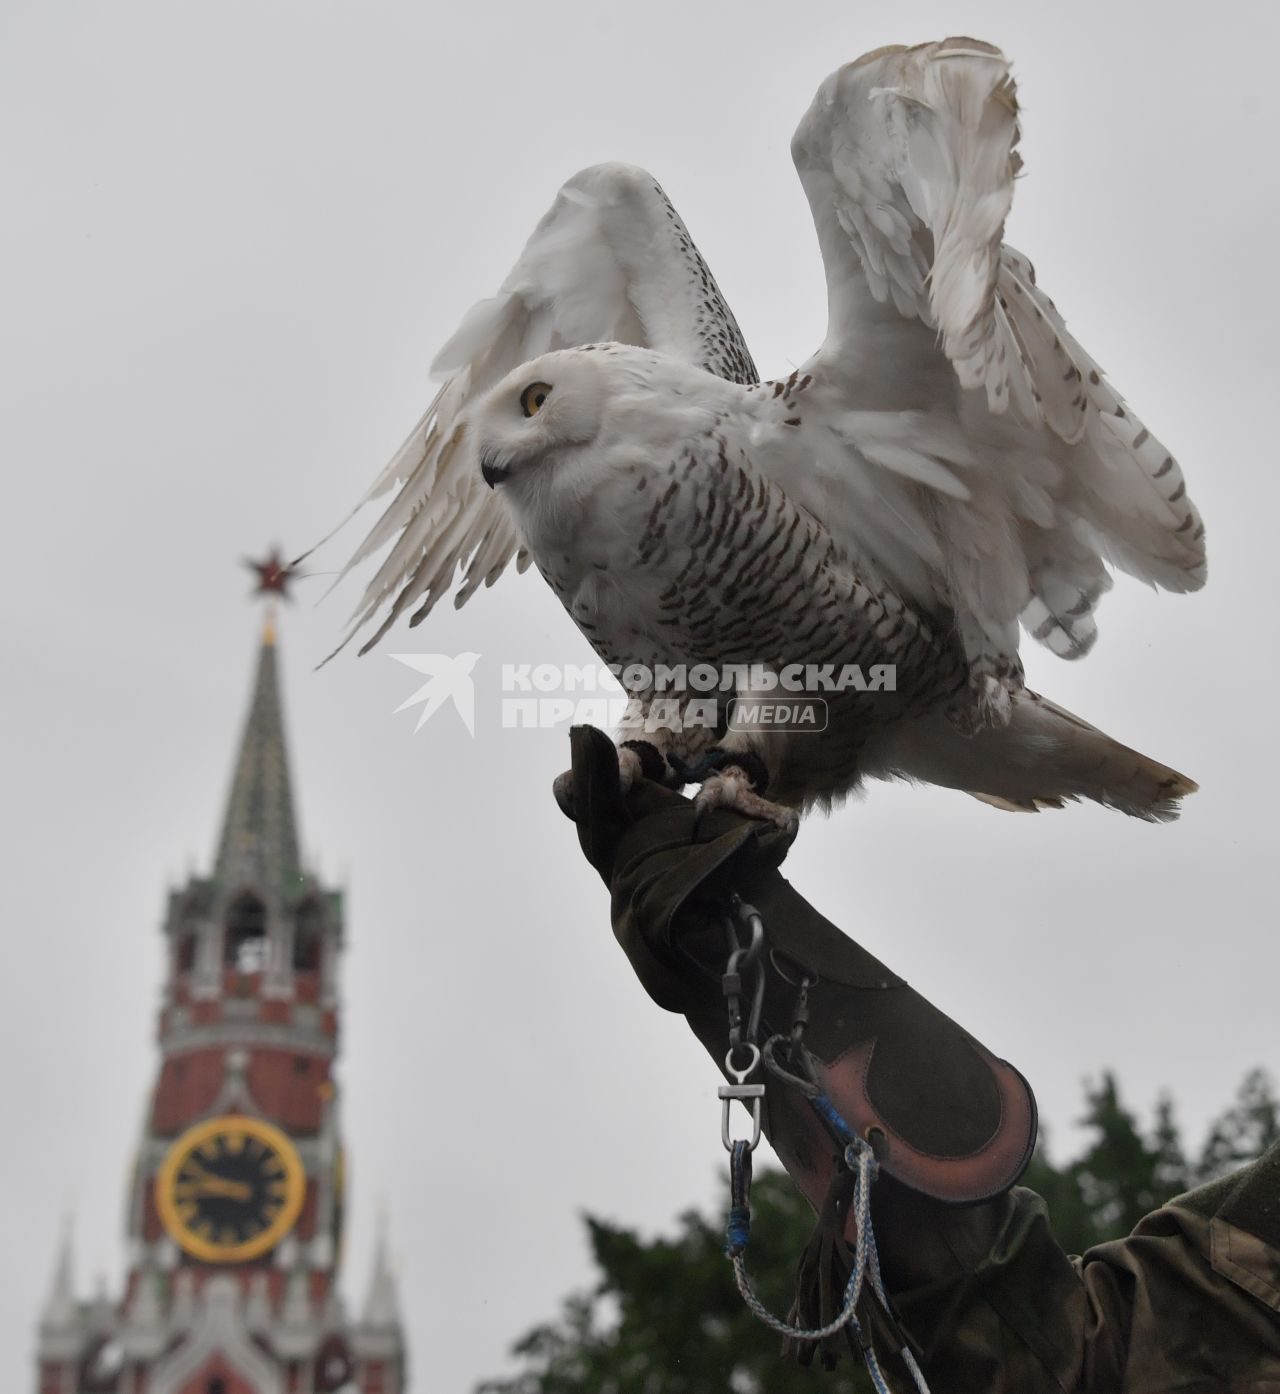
274,575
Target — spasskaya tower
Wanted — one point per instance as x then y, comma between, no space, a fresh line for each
234,1215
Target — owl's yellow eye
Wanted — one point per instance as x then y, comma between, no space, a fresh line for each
532,398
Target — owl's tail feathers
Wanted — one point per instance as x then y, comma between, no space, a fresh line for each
1044,757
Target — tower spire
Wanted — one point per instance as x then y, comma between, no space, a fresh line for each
259,841
258,845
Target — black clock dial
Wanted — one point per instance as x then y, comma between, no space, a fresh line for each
230,1189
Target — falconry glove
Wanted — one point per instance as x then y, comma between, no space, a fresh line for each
946,1116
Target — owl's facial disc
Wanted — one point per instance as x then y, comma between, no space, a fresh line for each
538,418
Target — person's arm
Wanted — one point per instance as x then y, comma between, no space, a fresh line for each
949,1116
1189,1302
988,1298
986,1294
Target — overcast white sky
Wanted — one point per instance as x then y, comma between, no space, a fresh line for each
233,236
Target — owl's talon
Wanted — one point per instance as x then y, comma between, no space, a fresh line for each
732,788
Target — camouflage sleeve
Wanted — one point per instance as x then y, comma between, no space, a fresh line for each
1189,1301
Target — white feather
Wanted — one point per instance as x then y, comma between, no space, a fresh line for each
908,158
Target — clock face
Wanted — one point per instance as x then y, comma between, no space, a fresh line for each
230,1189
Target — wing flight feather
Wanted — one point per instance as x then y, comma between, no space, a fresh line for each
610,261
908,158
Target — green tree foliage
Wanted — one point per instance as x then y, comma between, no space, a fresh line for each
1122,1174
665,1317
1245,1130
1126,1171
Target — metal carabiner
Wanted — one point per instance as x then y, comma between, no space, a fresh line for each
742,1091
749,916
742,958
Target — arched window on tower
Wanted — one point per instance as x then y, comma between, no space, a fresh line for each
185,954
308,930
245,944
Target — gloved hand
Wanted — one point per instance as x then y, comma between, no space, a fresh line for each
658,858
949,1119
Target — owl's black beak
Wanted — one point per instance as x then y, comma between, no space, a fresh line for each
491,471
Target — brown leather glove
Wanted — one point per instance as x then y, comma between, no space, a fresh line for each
946,1117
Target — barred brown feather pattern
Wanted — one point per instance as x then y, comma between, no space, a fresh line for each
743,576
724,351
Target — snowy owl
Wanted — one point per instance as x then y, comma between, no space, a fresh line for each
948,469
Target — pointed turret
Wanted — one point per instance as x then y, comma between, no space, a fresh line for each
381,1304
377,1341
61,1312
259,843
61,1333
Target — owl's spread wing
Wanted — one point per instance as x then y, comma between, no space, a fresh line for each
908,160
610,261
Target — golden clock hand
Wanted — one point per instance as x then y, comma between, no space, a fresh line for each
232,1190
206,1183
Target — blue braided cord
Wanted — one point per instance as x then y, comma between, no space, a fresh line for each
873,1271
877,1286
865,1162
874,1370
738,1230
917,1374
835,1124
866,1266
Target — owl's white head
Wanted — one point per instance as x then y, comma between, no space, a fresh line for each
540,422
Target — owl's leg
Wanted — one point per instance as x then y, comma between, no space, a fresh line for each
737,781
632,758
732,787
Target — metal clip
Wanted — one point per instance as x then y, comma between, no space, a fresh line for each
727,1093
